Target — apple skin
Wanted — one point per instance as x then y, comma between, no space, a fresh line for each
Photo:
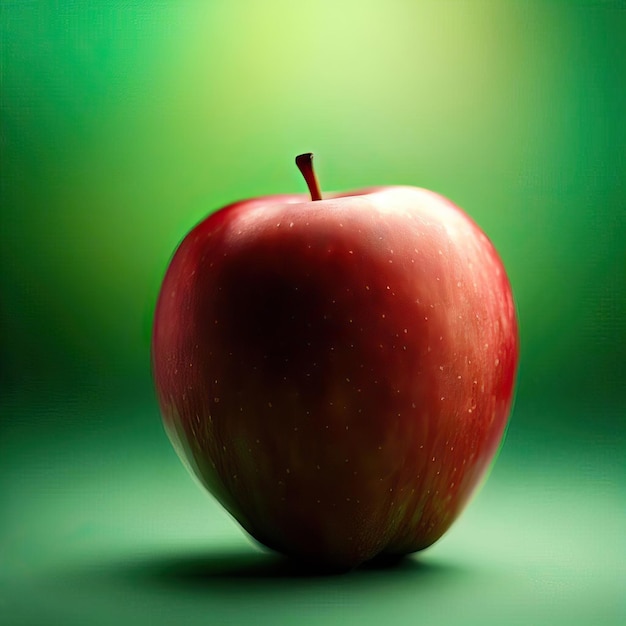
338,373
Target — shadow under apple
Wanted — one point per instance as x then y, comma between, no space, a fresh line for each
230,568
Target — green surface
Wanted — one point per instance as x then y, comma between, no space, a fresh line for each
105,527
124,123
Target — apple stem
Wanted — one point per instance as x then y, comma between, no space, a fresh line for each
305,165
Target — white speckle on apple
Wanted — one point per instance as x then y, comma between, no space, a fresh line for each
497,362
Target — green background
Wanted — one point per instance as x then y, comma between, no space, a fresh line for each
125,123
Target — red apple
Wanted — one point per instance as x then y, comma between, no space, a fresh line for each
338,372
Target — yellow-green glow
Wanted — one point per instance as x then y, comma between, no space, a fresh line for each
125,125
